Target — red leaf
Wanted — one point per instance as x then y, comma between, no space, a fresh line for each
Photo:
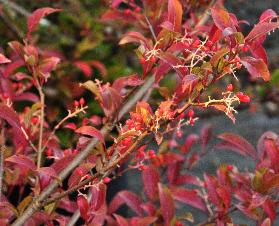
222,19
260,30
128,198
256,67
270,208
121,220
205,136
83,206
188,179
84,67
150,178
3,59
10,68
236,143
36,16
11,117
22,161
71,126
122,82
100,67
48,65
261,146
135,37
189,197
91,131
175,14
211,185
268,15
60,164
143,221
189,141
45,176
98,196
26,96
166,203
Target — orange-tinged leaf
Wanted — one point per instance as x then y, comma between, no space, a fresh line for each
222,19
175,14
91,131
36,16
256,67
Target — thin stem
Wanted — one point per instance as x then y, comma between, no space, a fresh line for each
150,27
42,121
2,149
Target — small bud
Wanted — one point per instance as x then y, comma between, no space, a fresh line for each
80,171
49,152
243,98
34,120
76,103
142,167
67,152
192,122
82,101
230,87
142,60
153,60
127,11
191,113
138,9
106,180
229,167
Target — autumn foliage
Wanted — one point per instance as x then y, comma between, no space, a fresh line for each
193,45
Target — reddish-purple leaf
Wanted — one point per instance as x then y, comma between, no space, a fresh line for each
188,179
269,207
91,131
261,146
3,59
135,37
189,141
189,197
84,67
268,15
131,80
222,19
236,143
10,68
60,164
211,185
116,3
166,203
22,161
11,117
83,206
45,176
71,126
142,221
98,196
150,179
175,14
100,67
205,136
36,16
121,221
128,198
256,67
48,65
28,96
261,29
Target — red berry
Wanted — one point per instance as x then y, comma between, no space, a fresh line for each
138,127
127,11
142,167
67,152
209,44
5,95
75,151
80,171
142,60
127,141
151,153
138,9
34,120
81,101
230,87
106,180
245,48
178,223
182,115
229,167
179,133
49,152
138,118
196,43
192,122
76,103
243,98
153,60
191,113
